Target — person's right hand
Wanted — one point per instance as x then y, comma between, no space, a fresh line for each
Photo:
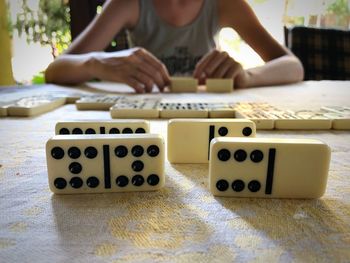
139,69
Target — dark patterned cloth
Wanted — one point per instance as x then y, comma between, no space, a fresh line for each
325,53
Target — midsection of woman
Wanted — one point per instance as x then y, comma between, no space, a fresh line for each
179,39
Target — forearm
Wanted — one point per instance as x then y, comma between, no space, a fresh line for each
283,70
69,69
75,69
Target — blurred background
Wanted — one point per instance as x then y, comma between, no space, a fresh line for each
37,31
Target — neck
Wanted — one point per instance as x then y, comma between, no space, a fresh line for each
178,12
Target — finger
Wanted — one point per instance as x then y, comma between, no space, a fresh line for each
158,66
201,81
201,65
161,88
150,71
215,63
107,71
144,79
233,71
137,86
223,68
145,67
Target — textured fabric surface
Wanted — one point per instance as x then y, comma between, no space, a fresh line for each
325,53
182,222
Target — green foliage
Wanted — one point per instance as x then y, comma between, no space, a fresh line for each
38,78
341,9
335,13
48,25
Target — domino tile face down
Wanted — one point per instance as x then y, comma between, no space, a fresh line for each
183,110
35,105
147,108
105,163
189,139
269,168
219,85
98,102
183,84
340,116
102,127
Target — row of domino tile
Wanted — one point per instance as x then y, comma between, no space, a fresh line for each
121,156
264,115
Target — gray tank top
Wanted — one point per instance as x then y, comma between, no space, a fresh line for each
179,48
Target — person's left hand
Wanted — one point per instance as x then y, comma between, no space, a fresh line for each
218,64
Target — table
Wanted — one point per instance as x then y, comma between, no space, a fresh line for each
182,222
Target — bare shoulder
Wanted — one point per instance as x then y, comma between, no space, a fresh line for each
128,9
233,13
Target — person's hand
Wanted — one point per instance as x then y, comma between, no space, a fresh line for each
137,68
218,64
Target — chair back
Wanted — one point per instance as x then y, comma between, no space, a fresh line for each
325,53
